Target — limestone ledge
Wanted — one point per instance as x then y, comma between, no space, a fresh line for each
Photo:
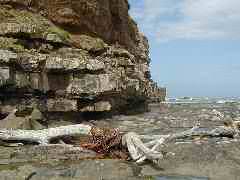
66,105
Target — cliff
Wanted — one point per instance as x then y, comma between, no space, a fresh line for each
72,56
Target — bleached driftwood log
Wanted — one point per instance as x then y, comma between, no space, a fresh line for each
46,135
139,151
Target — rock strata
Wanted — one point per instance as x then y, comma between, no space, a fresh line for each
73,56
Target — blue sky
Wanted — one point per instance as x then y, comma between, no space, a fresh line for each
194,44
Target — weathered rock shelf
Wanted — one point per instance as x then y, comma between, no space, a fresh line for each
211,152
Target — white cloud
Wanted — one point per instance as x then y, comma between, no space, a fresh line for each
189,19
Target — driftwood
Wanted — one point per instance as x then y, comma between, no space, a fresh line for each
44,136
138,150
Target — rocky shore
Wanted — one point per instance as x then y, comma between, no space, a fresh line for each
198,158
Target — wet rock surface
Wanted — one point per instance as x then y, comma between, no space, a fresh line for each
169,118
213,158
206,158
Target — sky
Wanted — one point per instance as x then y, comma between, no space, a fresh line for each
194,45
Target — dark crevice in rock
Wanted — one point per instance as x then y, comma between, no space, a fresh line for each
3,115
19,35
16,5
29,177
96,115
79,72
95,54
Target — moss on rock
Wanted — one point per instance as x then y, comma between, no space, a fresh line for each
11,44
60,33
89,43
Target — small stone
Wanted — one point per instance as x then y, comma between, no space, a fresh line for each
36,115
97,107
61,105
4,75
54,38
14,122
102,164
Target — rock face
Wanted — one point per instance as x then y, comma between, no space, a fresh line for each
73,56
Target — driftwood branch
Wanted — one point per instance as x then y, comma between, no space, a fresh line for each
46,135
138,150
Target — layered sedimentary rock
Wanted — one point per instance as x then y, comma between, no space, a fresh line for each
72,56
